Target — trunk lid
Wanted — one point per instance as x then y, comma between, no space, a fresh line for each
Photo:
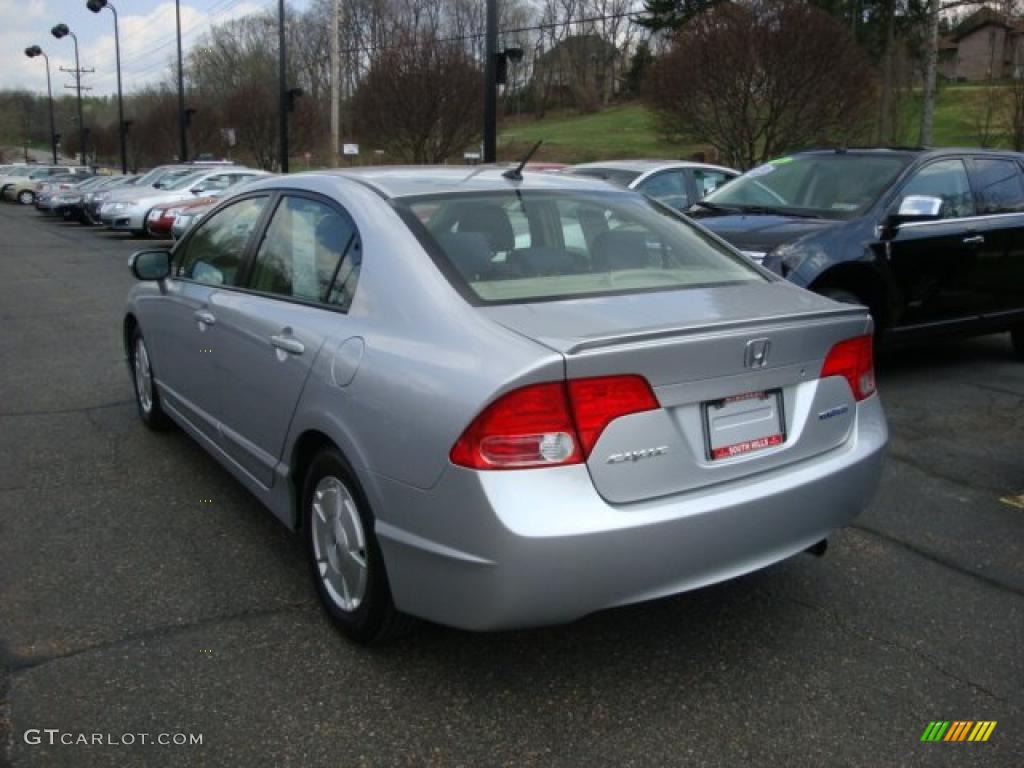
735,369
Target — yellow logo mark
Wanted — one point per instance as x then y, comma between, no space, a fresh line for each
958,730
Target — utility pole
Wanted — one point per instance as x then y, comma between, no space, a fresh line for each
335,84
282,84
181,88
490,84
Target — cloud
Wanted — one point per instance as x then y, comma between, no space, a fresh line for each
148,49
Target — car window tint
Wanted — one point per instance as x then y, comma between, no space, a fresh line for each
999,186
214,252
947,180
529,245
668,187
302,251
708,181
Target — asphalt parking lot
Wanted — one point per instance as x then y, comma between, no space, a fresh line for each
130,604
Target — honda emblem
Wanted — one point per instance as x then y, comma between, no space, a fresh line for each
757,353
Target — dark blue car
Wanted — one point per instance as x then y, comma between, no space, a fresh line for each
931,241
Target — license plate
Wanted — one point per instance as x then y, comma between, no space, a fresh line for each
735,426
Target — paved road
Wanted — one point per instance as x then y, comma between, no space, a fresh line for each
129,606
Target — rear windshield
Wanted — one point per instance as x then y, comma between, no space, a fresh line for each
614,175
521,246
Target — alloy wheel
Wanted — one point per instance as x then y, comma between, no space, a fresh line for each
143,376
339,544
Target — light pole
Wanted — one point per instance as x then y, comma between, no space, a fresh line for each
495,73
490,83
282,83
59,31
96,6
32,51
182,119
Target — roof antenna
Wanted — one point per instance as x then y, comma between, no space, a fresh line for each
516,174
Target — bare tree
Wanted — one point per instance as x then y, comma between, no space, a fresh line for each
759,79
1013,114
420,100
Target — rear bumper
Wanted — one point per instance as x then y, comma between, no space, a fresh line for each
497,550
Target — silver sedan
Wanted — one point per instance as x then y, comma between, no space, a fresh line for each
495,401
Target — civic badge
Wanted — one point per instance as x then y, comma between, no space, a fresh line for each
756,355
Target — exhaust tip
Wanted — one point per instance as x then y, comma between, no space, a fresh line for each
819,549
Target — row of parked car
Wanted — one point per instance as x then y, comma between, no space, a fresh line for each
163,202
931,241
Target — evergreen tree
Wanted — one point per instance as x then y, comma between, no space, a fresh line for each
671,14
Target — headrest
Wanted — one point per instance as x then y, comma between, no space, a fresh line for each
469,252
616,249
489,220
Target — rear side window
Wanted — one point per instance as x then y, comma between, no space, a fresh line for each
310,251
214,252
534,245
998,186
668,187
708,181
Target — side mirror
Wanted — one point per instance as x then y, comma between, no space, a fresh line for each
913,208
151,265
919,207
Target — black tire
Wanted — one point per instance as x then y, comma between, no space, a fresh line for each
1017,337
152,415
374,619
26,197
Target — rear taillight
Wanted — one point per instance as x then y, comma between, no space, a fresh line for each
598,401
854,360
550,424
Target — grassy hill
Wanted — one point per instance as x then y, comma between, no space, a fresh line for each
627,130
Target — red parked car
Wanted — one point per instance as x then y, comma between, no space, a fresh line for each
160,220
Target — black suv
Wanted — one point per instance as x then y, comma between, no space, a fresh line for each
930,241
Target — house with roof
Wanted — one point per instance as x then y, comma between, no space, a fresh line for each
985,46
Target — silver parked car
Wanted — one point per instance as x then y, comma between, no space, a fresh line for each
493,400
676,183
130,209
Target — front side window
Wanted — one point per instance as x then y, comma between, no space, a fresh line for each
668,187
215,251
309,252
999,186
947,180
534,245
832,185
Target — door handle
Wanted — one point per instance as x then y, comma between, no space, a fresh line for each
289,344
204,317
974,240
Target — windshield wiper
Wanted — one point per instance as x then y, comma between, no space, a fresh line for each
717,207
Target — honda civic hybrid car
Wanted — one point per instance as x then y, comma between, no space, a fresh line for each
492,399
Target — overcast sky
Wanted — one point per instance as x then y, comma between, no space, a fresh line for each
147,38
